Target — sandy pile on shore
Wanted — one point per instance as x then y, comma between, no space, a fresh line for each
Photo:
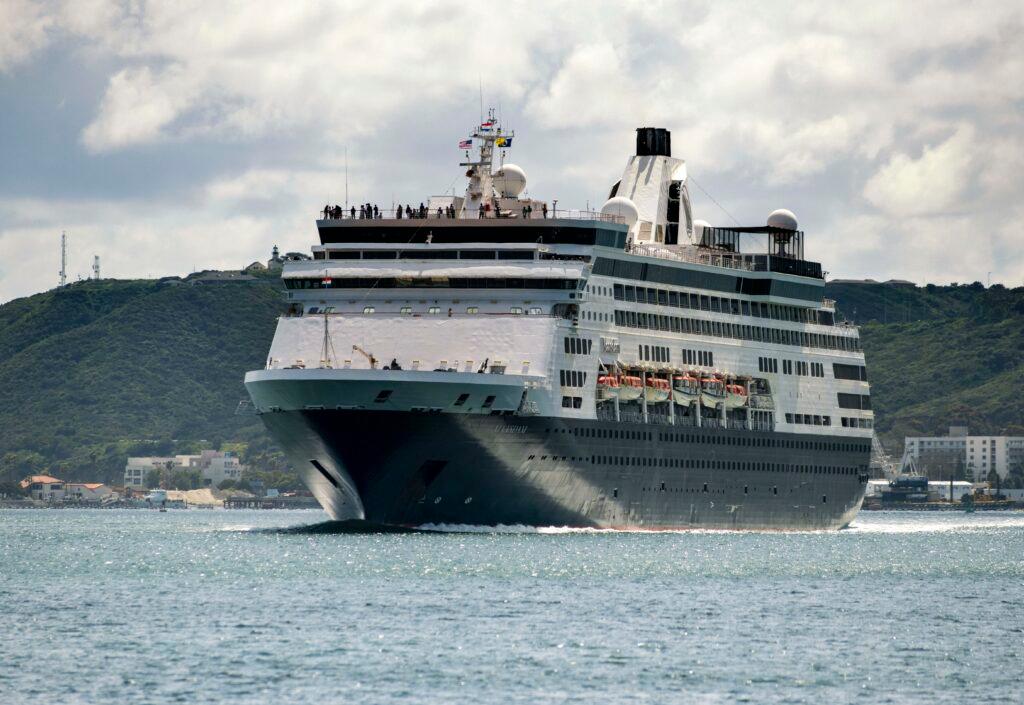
205,497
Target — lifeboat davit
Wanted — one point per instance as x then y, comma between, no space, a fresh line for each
607,387
735,396
685,389
712,391
657,389
630,388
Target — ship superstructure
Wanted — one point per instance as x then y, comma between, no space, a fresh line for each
494,360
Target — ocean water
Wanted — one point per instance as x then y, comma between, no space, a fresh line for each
109,606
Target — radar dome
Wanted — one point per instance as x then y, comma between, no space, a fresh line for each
509,181
621,207
782,219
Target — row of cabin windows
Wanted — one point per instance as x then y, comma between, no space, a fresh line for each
809,419
438,310
430,283
739,331
854,401
767,364
654,353
427,254
578,346
705,358
717,439
715,304
853,422
698,464
572,402
597,316
598,290
572,378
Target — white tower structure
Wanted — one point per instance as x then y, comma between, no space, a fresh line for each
479,200
96,267
63,258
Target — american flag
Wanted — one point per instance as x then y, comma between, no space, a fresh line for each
466,144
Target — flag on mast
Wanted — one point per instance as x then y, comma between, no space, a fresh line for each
466,144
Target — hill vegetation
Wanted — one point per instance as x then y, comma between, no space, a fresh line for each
98,371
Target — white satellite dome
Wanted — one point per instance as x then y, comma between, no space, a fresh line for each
509,181
782,219
621,207
698,227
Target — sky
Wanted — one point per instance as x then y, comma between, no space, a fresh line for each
169,137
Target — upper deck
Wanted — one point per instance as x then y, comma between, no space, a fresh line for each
585,229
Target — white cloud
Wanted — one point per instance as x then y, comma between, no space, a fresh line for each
931,184
138,107
24,27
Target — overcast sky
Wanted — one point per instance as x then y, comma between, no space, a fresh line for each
167,137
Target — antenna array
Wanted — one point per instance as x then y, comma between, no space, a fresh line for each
63,258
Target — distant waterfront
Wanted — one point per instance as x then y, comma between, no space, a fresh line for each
242,606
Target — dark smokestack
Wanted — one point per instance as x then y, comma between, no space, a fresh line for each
653,142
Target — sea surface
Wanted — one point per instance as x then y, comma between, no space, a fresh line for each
278,607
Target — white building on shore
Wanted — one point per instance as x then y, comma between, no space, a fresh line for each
979,454
213,465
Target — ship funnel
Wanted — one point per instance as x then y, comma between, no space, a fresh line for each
653,142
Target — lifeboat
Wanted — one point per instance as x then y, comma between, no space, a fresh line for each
735,396
712,391
657,389
630,388
607,387
685,389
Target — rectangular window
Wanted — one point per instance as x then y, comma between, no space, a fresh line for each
855,372
848,401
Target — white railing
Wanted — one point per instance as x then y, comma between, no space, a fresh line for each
694,255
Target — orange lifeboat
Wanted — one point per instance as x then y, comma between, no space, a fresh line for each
685,389
657,389
630,387
735,396
607,387
712,391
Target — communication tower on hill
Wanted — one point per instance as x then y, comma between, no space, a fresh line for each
63,258
96,267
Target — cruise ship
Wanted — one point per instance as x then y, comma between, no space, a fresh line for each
493,359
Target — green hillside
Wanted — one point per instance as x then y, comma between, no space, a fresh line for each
101,370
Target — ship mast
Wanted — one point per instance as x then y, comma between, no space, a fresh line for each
480,190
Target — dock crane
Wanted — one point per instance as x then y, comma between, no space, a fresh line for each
368,356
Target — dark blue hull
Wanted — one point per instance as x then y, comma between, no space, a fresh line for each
412,469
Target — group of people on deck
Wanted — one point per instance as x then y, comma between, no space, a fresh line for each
368,211
424,212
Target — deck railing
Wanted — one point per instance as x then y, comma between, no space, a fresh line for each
339,213
694,255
